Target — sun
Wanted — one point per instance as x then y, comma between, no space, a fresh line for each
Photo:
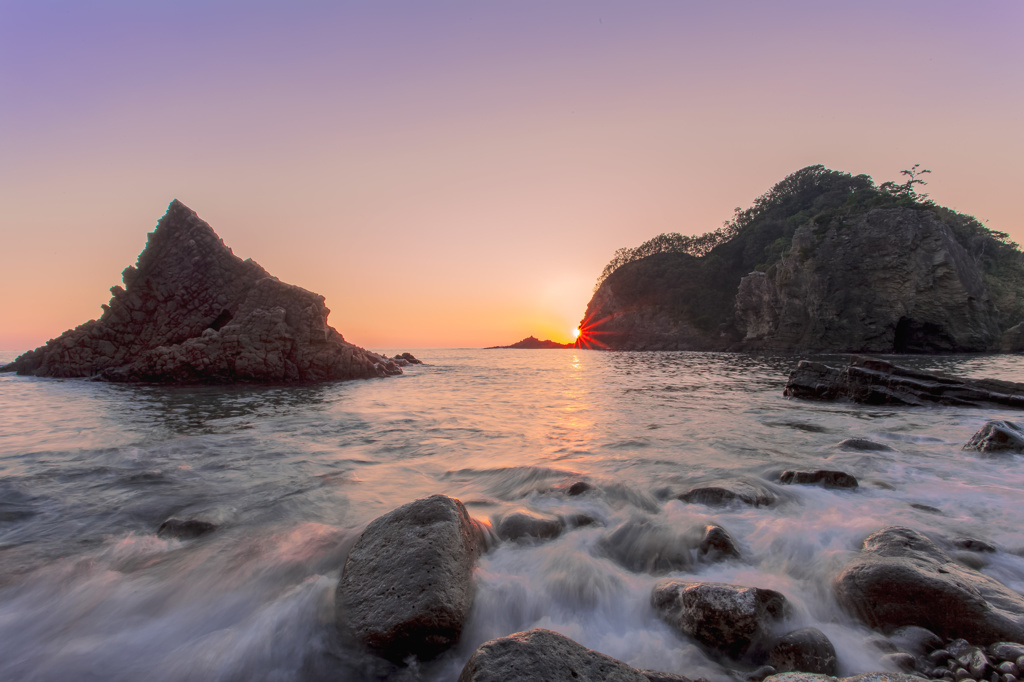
575,333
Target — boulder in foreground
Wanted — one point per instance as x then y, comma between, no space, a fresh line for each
876,382
407,585
191,311
544,656
902,578
728,619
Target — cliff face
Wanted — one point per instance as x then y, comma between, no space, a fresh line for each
890,280
884,280
646,305
191,311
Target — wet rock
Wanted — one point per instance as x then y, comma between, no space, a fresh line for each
644,546
825,477
902,578
915,640
578,488
1006,651
876,382
409,358
940,656
728,619
728,492
977,663
806,650
407,588
580,520
997,436
193,312
524,525
658,676
1007,668
544,656
974,545
864,677
900,661
926,508
184,529
863,445
717,544
759,674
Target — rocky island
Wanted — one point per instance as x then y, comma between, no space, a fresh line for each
191,311
532,342
824,261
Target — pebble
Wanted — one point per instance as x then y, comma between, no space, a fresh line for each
961,674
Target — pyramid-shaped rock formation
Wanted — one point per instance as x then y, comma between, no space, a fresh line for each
191,311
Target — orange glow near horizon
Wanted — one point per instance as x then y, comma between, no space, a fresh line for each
458,176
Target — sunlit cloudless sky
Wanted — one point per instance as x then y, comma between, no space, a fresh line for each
458,173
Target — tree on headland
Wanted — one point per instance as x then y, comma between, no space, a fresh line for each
907,189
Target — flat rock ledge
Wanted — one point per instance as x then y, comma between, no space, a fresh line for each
407,585
901,577
192,312
876,382
545,656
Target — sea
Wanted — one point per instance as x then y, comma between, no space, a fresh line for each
291,476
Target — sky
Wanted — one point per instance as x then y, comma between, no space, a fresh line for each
457,174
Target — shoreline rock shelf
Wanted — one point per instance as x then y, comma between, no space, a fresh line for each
876,382
192,312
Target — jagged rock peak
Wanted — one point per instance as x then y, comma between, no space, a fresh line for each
191,311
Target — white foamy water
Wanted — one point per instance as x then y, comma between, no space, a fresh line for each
88,471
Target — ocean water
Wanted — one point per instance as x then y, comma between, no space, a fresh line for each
88,471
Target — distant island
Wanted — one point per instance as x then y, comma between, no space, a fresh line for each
533,342
823,261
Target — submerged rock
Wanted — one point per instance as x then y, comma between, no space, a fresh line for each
902,578
827,478
644,546
191,311
717,544
524,525
876,382
863,445
407,585
726,492
997,436
806,650
184,529
730,620
544,656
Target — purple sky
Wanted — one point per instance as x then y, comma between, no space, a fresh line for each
453,174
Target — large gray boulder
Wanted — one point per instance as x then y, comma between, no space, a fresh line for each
997,436
902,578
730,620
407,585
543,656
191,311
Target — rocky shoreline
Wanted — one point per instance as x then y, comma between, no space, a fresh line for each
407,588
